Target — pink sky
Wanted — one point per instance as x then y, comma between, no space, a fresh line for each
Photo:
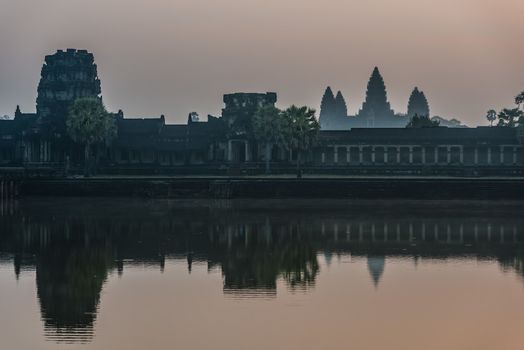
176,56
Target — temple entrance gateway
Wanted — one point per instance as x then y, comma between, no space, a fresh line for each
238,151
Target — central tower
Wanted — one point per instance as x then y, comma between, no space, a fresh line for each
376,108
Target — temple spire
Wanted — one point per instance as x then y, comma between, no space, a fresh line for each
376,92
418,104
328,101
18,113
327,106
376,102
341,107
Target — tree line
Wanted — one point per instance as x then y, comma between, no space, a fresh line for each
295,128
509,117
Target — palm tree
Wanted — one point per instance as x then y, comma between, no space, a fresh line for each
88,123
491,116
519,100
303,130
269,127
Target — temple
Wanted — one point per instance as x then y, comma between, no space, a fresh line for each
375,141
376,111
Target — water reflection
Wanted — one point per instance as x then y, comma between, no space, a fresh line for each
376,266
75,244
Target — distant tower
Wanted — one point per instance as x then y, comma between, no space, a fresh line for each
326,108
376,103
333,110
341,107
66,76
418,104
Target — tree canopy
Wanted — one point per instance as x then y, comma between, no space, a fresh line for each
89,123
271,128
510,117
519,100
422,121
303,130
491,116
269,124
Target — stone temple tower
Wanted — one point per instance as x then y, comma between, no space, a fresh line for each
376,109
418,104
326,108
333,111
66,76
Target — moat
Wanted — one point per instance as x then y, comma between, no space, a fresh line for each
91,273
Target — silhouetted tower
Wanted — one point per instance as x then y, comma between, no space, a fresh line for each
326,107
376,105
333,110
66,76
340,105
418,104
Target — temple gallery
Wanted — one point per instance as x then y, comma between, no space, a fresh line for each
375,140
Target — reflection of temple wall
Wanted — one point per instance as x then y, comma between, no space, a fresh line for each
74,246
152,238
427,230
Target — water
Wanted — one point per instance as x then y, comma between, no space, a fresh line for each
283,274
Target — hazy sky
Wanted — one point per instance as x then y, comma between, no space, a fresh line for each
176,56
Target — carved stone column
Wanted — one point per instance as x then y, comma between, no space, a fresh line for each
246,150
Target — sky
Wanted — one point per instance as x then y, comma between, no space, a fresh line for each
173,57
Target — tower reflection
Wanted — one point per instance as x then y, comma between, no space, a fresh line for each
74,245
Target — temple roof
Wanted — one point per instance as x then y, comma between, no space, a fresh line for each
149,126
174,130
